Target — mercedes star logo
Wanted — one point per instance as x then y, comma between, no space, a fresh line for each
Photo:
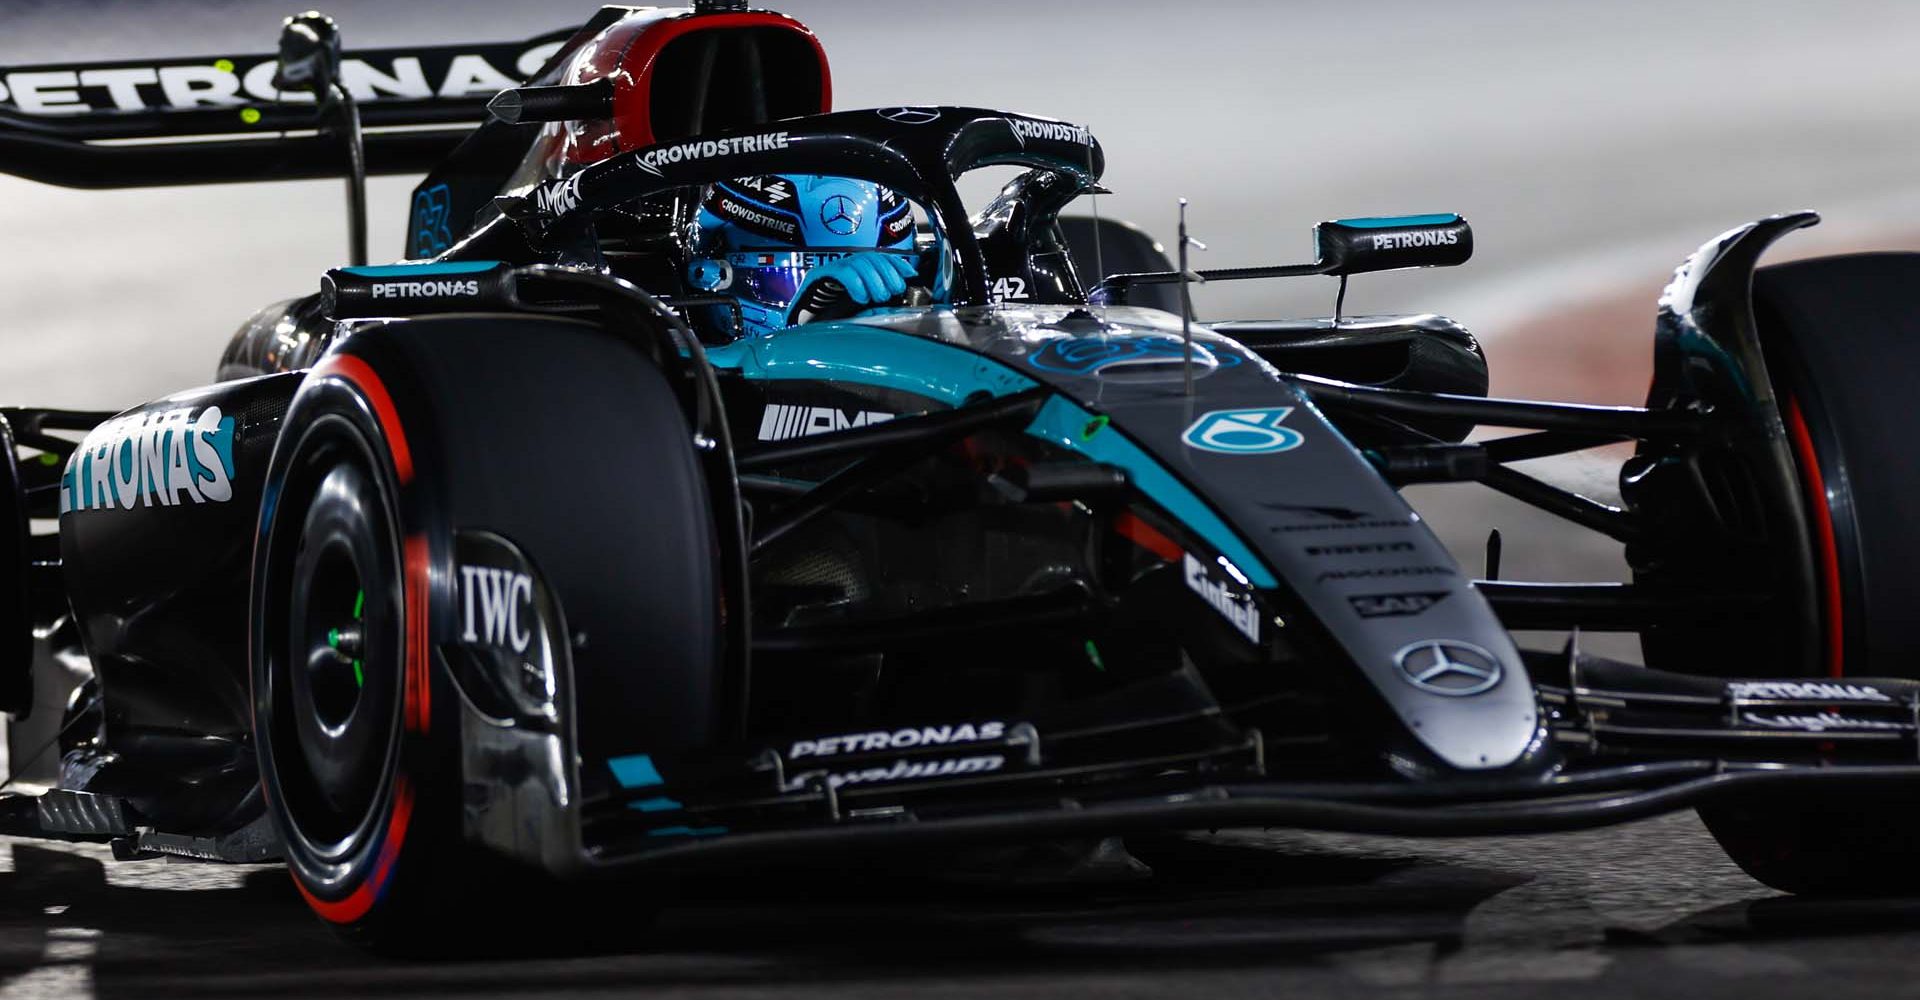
1445,666
840,214
910,116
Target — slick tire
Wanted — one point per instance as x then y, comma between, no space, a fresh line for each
555,435
1842,338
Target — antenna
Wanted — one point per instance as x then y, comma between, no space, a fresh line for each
1099,265
1187,276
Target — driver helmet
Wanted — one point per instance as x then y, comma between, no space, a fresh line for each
757,237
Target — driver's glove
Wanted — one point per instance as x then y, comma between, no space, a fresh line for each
870,277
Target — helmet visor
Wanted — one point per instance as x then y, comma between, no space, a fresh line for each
774,277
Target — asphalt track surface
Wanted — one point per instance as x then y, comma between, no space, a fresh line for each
1591,147
1645,910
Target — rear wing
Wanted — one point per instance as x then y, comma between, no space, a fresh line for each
221,119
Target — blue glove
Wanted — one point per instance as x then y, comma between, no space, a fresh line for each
870,277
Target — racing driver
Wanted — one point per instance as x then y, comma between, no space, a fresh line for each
772,242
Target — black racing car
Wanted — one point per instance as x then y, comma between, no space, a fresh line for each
491,560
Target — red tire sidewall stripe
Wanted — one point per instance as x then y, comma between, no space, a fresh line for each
362,377
362,898
418,714
1827,548
416,707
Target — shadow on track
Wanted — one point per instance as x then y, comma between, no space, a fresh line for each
1239,917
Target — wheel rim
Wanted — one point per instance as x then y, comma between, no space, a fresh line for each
337,652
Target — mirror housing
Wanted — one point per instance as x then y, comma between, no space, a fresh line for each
309,54
1356,246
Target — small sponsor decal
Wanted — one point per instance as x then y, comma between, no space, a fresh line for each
1803,691
897,739
1327,518
1243,432
431,227
737,211
1420,238
425,289
152,458
910,116
905,770
496,607
779,421
1360,549
841,215
1086,355
558,197
1821,722
688,152
1384,572
772,188
1233,604
1027,128
1395,605
1343,515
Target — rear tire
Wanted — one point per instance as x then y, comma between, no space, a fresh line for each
1842,339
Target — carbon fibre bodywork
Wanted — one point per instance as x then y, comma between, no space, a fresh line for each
1029,562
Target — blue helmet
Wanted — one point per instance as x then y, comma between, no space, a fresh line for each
759,236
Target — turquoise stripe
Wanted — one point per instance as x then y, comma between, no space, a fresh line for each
687,831
422,270
658,804
1400,221
636,771
866,356
1063,423
890,360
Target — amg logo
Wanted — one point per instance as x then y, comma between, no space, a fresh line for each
1422,238
424,289
1237,608
1395,605
491,601
684,152
1803,691
780,421
558,198
1359,549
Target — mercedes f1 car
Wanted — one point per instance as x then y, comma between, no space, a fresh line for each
491,560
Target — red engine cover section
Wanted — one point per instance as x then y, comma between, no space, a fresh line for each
676,73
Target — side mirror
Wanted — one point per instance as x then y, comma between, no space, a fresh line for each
309,54
1356,246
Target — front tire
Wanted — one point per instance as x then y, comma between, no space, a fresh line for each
560,439
1842,336
355,780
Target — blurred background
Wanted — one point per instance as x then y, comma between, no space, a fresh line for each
1591,146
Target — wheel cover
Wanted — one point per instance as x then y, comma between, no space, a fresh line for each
335,652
